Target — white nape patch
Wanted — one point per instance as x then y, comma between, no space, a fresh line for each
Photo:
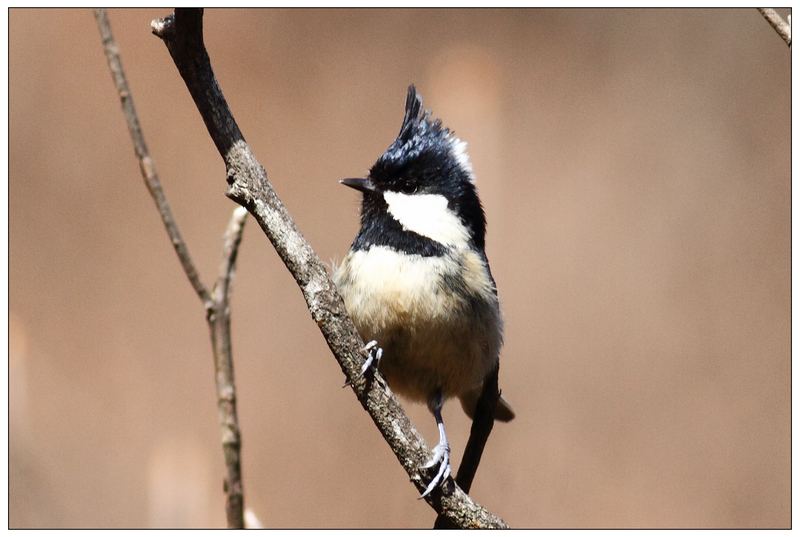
427,215
459,148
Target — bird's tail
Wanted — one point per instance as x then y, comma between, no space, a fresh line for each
503,411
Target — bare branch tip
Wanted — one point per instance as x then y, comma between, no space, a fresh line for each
240,213
163,28
782,27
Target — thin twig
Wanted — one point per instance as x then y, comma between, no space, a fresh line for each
227,267
219,321
248,185
783,28
146,164
217,306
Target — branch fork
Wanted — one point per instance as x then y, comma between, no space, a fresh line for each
215,303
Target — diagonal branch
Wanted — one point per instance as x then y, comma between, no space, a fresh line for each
146,164
216,306
783,28
248,185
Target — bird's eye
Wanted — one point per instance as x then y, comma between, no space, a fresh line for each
406,187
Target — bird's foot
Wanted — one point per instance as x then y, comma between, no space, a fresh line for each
441,453
374,355
441,456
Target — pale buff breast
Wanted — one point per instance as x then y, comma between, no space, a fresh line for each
432,337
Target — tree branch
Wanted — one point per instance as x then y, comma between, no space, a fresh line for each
217,306
219,322
783,28
146,164
249,186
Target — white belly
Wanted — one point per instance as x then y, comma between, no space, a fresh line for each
436,319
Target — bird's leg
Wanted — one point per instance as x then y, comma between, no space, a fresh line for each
441,453
374,355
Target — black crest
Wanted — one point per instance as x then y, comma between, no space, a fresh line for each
417,121
413,115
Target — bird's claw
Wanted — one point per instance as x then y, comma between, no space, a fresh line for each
374,355
441,456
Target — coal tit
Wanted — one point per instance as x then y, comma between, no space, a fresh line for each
416,280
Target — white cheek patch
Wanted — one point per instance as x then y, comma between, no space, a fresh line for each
427,215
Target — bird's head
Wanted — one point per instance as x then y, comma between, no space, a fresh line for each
424,179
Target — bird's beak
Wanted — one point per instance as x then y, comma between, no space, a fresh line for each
362,184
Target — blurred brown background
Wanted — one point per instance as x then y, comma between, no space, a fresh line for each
635,169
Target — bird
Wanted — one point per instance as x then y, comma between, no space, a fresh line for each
416,280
